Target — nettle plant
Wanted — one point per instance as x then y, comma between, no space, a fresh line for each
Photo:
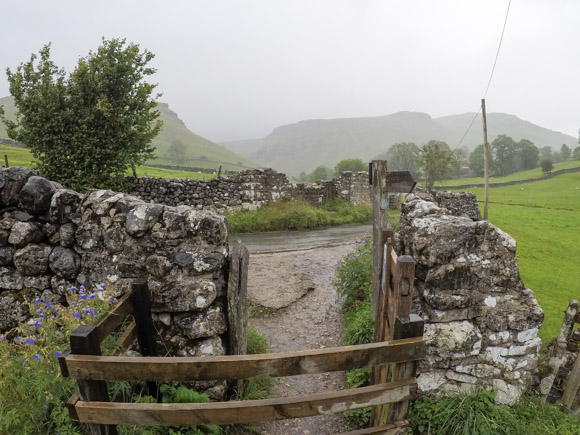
32,391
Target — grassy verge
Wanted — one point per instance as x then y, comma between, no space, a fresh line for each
543,217
297,215
523,175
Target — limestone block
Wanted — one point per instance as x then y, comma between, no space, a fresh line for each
205,324
12,180
177,293
431,381
11,313
64,206
65,262
36,195
23,233
142,218
506,394
32,259
10,279
6,254
452,339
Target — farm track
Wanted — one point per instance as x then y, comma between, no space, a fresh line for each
310,319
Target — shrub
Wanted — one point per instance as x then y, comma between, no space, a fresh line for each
32,391
547,166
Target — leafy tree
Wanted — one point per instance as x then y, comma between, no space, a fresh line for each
476,161
461,157
566,152
354,165
528,155
546,153
320,173
403,157
177,148
504,156
576,153
87,127
436,161
546,165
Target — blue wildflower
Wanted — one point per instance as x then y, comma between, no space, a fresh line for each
94,313
2,338
77,315
102,285
48,304
19,339
73,289
56,310
30,341
84,297
38,324
37,300
41,315
111,300
37,357
57,353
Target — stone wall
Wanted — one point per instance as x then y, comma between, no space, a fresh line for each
249,190
481,322
52,238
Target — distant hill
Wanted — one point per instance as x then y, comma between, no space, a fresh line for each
304,145
199,152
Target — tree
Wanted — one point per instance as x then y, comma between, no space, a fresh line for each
476,162
546,153
177,148
460,155
504,156
320,173
86,128
546,165
566,152
576,153
436,161
528,155
354,165
403,157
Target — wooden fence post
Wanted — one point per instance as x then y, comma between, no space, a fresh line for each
85,341
145,330
237,314
380,199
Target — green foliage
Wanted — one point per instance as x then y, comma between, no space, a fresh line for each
566,152
354,165
358,377
436,161
576,153
296,215
403,157
359,418
547,165
476,161
477,413
86,128
256,342
177,148
320,173
32,391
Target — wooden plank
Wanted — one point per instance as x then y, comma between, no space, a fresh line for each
165,369
127,338
84,340
243,412
386,236
110,321
406,285
380,200
397,428
236,297
572,385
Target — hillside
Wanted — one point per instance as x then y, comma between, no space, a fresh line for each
199,152
304,145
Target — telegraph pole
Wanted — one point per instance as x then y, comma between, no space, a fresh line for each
485,161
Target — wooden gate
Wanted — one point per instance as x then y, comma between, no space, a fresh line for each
399,344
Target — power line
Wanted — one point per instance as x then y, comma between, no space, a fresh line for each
491,75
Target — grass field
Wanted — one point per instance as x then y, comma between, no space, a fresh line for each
523,175
544,218
22,157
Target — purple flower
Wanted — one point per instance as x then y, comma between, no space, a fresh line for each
37,300
111,300
84,297
77,315
48,304
102,285
19,339
56,310
37,357
38,324
2,338
82,289
92,296
73,289
57,353
25,361
30,341
41,315
94,313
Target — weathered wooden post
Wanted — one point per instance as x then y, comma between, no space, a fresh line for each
85,341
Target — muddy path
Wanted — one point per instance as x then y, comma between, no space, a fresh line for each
305,315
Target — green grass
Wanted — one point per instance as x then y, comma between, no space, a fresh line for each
297,215
523,175
544,219
22,157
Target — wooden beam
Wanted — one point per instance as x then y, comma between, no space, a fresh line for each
244,412
167,369
127,338
109,322
380,200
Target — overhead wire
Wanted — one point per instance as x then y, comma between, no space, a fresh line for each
490,76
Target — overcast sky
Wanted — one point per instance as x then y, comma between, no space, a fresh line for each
237,69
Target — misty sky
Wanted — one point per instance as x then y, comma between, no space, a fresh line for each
237,69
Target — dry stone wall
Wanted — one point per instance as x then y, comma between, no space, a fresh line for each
249,190
53,238
481,322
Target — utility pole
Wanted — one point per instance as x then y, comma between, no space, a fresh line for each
486,155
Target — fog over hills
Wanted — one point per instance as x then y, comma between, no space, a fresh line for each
302,146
